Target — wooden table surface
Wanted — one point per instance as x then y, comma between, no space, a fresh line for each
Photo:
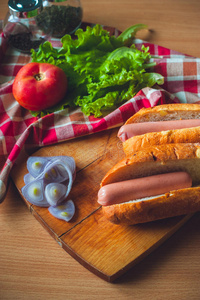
32,264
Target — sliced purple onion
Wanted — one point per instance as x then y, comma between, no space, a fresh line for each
55,193
51,174
48,175
57,172
28,178
70,161
70,176
64,212
36,164
60,167
34,193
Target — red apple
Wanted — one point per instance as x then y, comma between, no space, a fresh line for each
38,86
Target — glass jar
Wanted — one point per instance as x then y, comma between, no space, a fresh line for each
60,17
20,26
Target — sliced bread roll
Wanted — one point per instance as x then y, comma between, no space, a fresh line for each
185,135
164,113
151,161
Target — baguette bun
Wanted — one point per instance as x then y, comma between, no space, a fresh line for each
151,161
185,135
164,113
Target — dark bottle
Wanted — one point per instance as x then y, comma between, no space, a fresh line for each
20,26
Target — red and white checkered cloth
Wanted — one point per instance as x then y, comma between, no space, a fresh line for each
21,132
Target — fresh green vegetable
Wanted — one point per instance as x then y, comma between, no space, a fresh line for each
102,71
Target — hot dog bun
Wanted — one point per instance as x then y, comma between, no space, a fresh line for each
161,113
166,112
151,161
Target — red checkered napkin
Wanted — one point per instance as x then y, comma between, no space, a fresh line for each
21,132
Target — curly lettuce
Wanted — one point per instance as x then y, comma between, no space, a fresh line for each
103,71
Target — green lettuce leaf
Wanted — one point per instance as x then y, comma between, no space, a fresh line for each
127,35
102,71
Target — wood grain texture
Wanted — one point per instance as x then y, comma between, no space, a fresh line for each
33,266
105,249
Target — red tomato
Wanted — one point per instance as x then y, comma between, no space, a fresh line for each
38,86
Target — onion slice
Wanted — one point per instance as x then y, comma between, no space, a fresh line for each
28,178
64,212
34,193
36,164
55,193
49,183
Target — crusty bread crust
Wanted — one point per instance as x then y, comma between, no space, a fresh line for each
166,112
157,153
180,202
185,135
156,160
150,161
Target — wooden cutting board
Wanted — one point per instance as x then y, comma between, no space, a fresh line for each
105,249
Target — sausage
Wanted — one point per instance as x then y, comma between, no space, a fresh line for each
129,130
118,192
